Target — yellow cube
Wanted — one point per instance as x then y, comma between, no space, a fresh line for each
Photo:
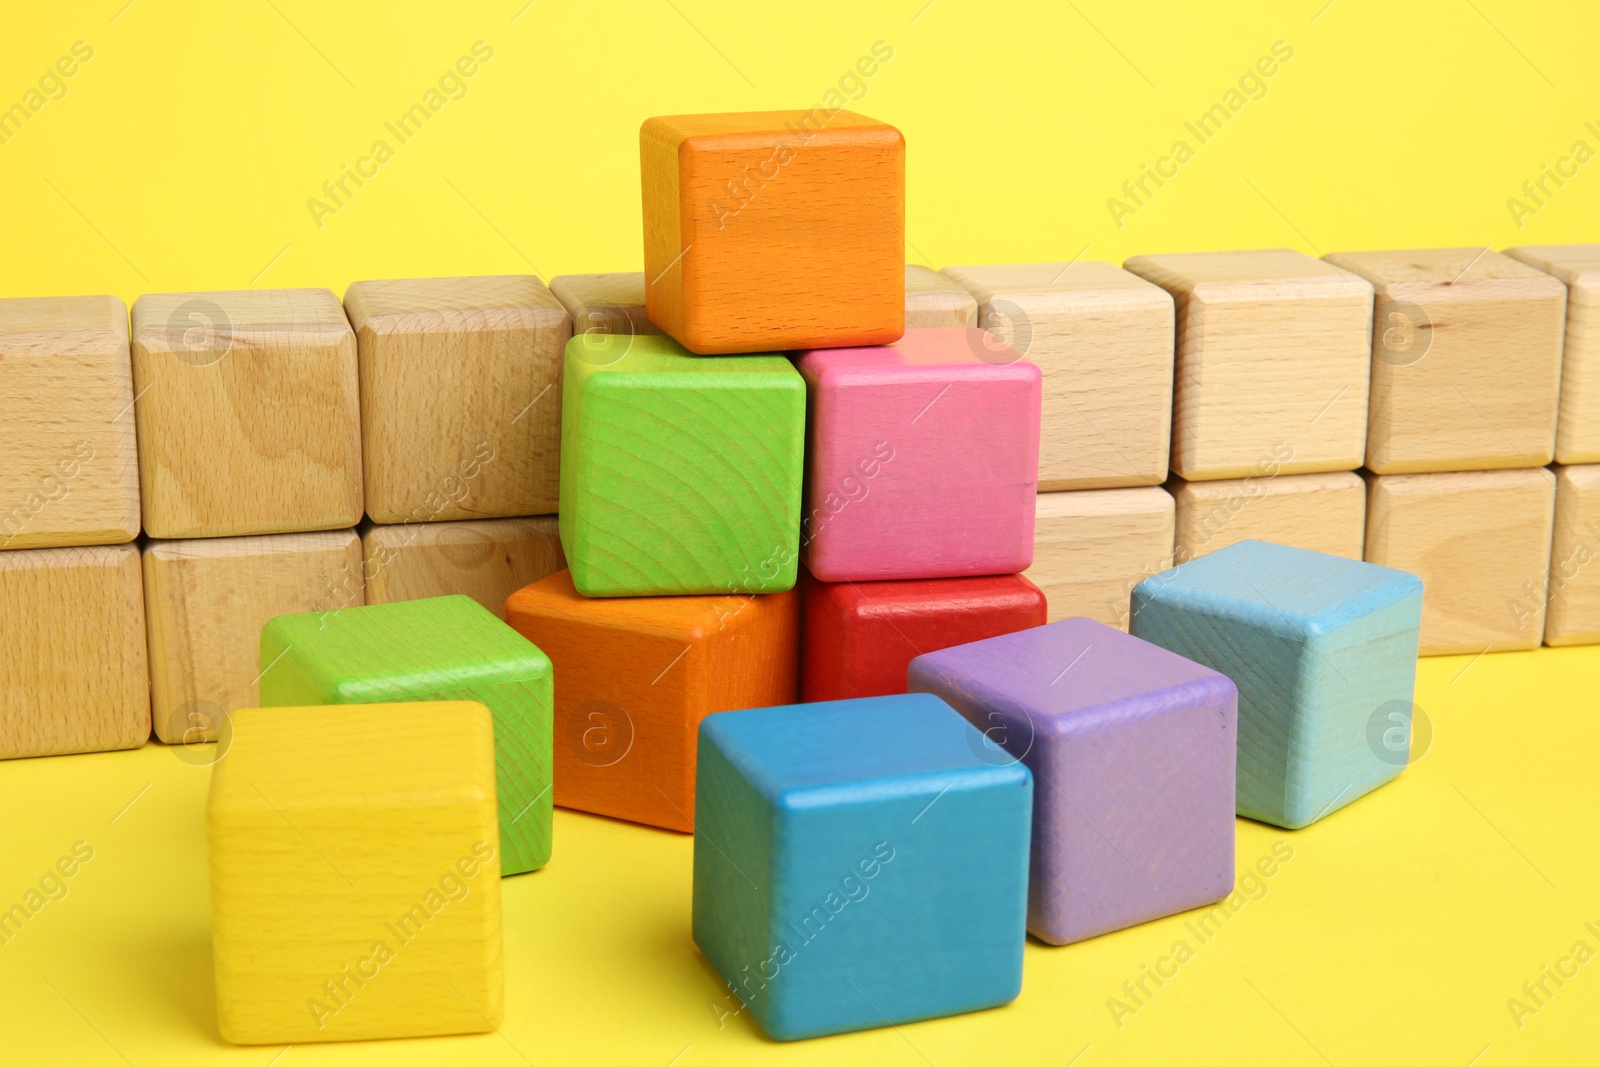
355,873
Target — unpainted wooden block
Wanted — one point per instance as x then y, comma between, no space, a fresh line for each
1480,542
487,560
635,675
206,601
1103,339
934,301
69,470
355,882
605,304
247,413
73,671
460,396
1273,354
1578,421
774,230
1321,512
1573,617
1092,546
1466,360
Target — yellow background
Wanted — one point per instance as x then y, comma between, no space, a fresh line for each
183,154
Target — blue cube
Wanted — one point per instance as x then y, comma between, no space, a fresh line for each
859,863
1321,648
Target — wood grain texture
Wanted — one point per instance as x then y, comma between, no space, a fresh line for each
679,475
611,304
1273,348
69,470
1324,653
247,413
634,677
444,648
1578,422
1091,547
1090,710
487,560
72,665
206,601
774,230
1321,512
1480,542
460,396
923,455
1573,617
1103,339
355,884
1466,360
820,852
934,301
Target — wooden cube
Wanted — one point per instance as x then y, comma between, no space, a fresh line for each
887,847
1273,354
1578,422
445,648
859,637
1322,649
1321,512
1092,546
1573,617
635,676
923,456
1090,709
69,471
774,230
1466,360
486,560
206,601
355,884
679,475
1480,542
73,668
934,301
606,304
1102,338
247,413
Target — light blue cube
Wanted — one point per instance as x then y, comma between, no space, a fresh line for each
1322,648
859,863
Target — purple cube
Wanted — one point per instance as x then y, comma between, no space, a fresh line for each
1132,749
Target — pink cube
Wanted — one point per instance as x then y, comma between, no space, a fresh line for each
923,458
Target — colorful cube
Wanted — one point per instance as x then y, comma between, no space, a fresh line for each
1091,711
924,455
859,863
1321,648
679,475
443,648
355,883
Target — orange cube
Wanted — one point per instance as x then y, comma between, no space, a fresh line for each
635,675
774,229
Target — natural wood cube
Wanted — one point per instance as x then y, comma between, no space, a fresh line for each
774,230
932,300
73,669
1480,542
605,303
1466,360
1321,512
487,560
1092,546
206,601
1102,338
1573,617
1578,424
247,413
1273,352
460,396
69,471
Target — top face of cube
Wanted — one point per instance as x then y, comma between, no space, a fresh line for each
1577,265
812,755
1277,273
682,618
445,305
604,303
932,355
201,328
931,596
1290,591
63,326
1461,272
1060,285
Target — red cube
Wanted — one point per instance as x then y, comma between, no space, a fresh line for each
858,638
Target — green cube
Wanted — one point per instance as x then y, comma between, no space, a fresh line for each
442,648
680,474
